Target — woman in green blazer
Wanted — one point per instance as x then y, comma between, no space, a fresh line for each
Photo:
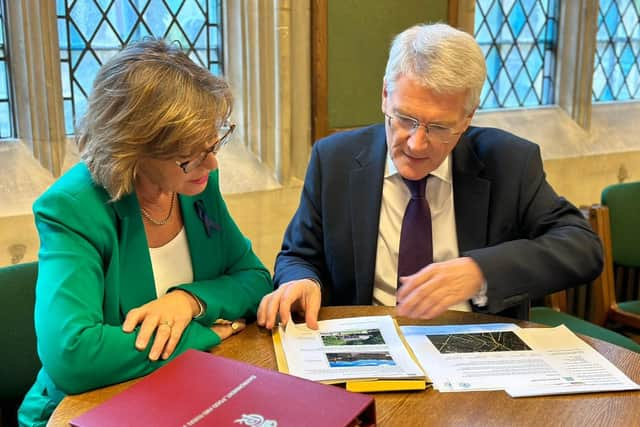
139,258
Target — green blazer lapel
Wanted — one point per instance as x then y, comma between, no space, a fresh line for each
201,259
137,285
199,214
471,195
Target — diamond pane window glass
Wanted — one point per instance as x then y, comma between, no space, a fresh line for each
91,31
519,39
6,117
616,66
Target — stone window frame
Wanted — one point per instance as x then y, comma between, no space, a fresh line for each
264,43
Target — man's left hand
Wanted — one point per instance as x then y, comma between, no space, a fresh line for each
432,290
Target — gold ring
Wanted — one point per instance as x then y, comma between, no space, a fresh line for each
235,326
167,323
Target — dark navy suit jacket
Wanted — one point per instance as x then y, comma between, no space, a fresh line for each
528,241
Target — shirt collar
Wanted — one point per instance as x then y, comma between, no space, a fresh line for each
442,172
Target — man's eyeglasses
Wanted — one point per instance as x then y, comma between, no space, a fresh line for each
435,132
226,132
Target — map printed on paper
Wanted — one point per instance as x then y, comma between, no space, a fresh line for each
478,342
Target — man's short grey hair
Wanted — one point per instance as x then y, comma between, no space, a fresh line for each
439,57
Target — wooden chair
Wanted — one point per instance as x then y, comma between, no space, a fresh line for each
595,298
623,201
19,362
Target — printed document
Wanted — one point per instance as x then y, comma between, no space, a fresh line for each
521,361
358,348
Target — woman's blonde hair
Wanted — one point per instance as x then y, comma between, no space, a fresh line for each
149,100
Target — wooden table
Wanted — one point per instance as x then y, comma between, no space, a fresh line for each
430,407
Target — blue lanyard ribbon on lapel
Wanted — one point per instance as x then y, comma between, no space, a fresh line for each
208,223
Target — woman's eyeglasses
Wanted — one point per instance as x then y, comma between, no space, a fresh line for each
190,165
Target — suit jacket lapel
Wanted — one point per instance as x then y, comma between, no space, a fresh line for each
365,187
471,195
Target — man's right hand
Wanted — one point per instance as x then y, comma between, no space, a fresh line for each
301,296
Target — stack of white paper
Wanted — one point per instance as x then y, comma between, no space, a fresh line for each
355,348
521,361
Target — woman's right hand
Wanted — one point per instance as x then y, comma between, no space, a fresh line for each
162,322
226,328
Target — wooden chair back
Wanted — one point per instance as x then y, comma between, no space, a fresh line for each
591,302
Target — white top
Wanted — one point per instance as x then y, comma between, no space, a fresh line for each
395,197
171,263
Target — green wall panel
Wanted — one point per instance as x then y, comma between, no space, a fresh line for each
359,36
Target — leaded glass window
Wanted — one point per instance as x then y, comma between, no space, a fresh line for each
519,39
91,31
6,117
616,71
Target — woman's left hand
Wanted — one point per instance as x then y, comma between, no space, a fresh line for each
226,328
167,316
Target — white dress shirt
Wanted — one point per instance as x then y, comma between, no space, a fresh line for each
395,197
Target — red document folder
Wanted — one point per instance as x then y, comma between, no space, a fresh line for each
200,389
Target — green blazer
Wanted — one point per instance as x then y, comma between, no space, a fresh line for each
94,266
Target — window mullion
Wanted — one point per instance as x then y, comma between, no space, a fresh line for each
35,68
577,44
464,14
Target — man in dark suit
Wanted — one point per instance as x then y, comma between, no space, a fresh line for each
496,233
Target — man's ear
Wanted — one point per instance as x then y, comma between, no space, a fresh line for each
384,96
469,117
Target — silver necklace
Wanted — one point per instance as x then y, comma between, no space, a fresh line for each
162,221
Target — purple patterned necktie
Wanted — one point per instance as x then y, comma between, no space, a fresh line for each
416,248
